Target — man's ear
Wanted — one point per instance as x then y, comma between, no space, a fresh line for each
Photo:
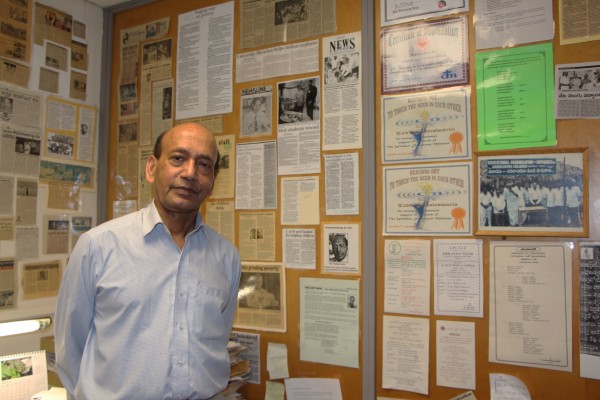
150,167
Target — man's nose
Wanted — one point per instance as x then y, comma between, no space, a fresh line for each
189,169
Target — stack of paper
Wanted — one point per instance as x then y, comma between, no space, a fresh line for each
240,369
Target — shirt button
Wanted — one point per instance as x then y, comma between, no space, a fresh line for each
180,361
180,326
181,293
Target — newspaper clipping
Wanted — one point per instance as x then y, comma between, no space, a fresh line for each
256,238
79,226
14,73
7,283
19,149
342,92
220,217
27,194
299,248
256,111
341,184
41,279
256,176
577,91
343,244
56,56
271,21
20,107
225,184
7,194
15,32
579,21
52,24
56,234
261,297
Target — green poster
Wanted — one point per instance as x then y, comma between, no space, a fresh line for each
515,98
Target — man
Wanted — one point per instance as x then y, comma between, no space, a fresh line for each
147,300
256,296
311,99
256,120
352,302
339,246
299,102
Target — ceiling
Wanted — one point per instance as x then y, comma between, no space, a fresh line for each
108,3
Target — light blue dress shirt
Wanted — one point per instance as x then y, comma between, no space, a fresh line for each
138,318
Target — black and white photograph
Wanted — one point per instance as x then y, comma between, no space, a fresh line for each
299,101
256,111
341,248
60,145
533,193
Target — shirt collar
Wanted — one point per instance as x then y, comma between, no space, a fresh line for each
151,218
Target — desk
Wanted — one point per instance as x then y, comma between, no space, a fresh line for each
540,211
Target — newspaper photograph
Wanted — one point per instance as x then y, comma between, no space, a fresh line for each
256,236
55,234
79,175
19,149
7,195
272,21
56,56
289,59
59,145
300,200
299,248
329,330
79,225
261,297
138,33
342,92
15,29
20,107
7,283
342,184
225,183
14,73
577,90
27,194
256,175
256,111
220,217
343,249
52,24
41,279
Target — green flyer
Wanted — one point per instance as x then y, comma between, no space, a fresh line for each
515,98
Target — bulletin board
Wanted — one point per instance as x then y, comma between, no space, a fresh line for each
348,21
571,133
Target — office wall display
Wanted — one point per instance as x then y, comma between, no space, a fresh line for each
397,11
533,193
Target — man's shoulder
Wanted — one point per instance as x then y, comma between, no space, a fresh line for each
117,225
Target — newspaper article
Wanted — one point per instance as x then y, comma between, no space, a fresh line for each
26,202
341,184
213,123
55,234
578,90
79,175
7,195
56,56
162,107
127,170
78,86
26,242
256,240
41,279
86,133
329,316
252,353
225,182
7,283
19,149
271,21
79,30
299,248
145,194
300,201
7,226
343,244
205,67
15,32
61,115
256,111
20,107
48,80
79,226
14,73
342,92
220,217
79,55
154,29
289,59
128,105
52,24
261,297
256,175
579,21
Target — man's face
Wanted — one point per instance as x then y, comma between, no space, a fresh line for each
339,248
184,175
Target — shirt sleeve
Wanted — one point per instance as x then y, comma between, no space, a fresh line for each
229,312
74,312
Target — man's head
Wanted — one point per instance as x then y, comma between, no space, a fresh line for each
339,246
183,168
256,104
351,300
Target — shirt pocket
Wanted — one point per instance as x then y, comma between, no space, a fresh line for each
207,315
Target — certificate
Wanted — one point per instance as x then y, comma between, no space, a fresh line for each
455,354
515,98
428,200
425,54
530,304
396,11
429,126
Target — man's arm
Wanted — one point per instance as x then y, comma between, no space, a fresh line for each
74,312
229,312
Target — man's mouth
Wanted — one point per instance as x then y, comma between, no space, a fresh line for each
185,190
